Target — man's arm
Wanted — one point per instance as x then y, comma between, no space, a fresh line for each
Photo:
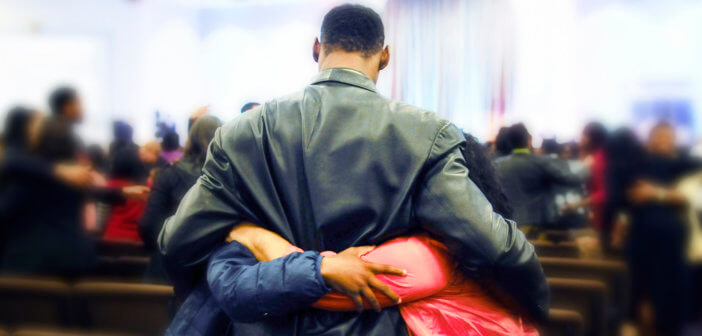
449,205
206,214
557,174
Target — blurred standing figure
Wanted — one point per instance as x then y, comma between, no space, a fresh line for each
528,179
170,147
129,167
41,213
170,186
593,140
123,135
657,238
67,111
563,210
502,145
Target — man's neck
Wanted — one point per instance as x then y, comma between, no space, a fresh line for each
354,61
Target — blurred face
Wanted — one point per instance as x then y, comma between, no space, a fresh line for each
662,141
147,155
74,110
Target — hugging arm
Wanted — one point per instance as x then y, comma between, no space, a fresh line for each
486,245
249,290
207,212
428,270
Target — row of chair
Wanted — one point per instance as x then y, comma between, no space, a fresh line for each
45,331
588,296
139,309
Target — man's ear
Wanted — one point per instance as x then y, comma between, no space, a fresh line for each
384,58
316,47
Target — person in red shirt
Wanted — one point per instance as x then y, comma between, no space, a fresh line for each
128,169
593,142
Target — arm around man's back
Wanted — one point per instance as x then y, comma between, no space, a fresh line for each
249,290
451,206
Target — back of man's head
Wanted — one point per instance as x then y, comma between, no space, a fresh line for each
519,136
353,28
60,98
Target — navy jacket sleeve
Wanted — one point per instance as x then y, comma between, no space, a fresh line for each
249,290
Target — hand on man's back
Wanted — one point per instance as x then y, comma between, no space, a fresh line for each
348,274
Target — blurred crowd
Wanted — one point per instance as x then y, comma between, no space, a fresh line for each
639,199
630,198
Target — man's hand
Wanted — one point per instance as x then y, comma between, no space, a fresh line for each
136,192
347,273
76,175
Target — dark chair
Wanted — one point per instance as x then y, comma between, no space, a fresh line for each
550,249
35,301
59,332
562,322
557,236
128,268
612,273
120,248
587,297
132,308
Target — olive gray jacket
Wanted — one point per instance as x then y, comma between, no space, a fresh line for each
337,165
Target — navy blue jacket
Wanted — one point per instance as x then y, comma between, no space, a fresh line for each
240,291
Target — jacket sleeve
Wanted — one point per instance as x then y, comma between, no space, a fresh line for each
249,290
207,212
557,174
449,205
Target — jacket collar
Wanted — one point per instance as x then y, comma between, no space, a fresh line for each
346,76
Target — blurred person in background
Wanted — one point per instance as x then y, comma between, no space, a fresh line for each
170,147
123,138
658,234
502,144
528,180
249,106
42,209
129,168
563,210
625,157
169,187
593,139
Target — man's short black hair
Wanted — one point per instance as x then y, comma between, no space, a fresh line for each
353,28
519,136
61,97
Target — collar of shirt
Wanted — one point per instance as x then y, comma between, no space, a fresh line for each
521,151
346,76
